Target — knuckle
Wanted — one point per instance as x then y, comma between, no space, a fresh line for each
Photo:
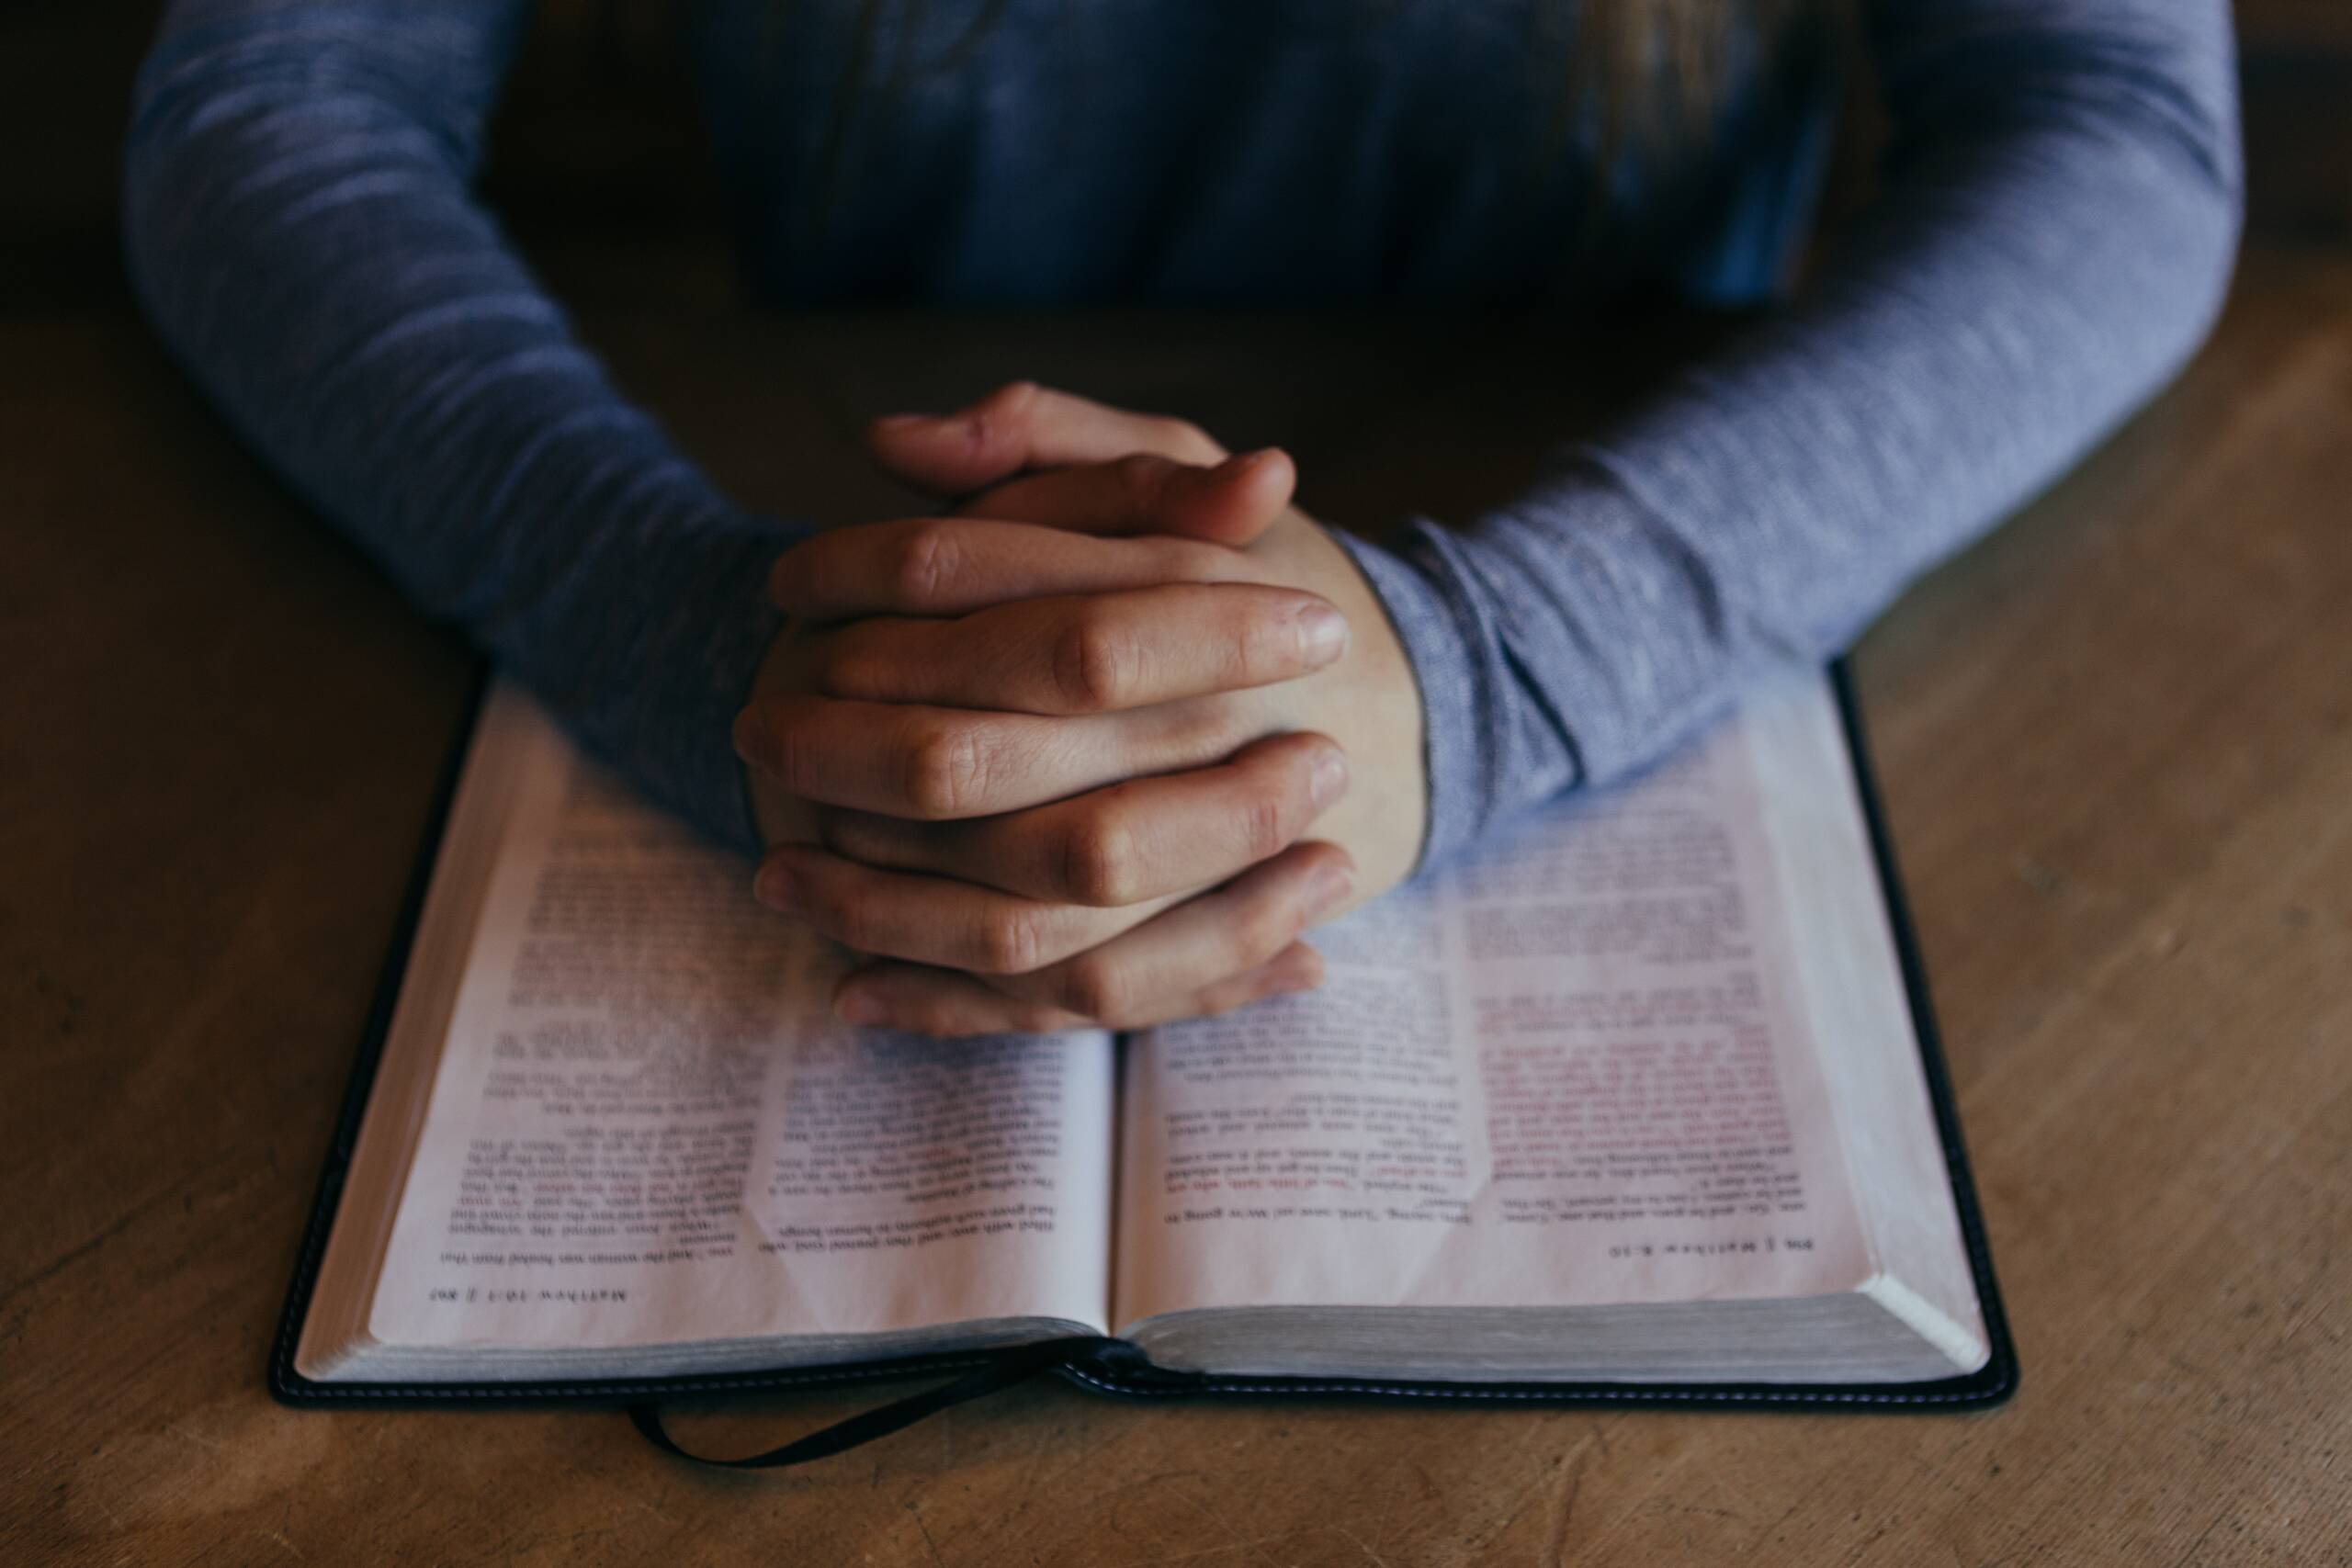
928,562
1201,730
946,770
847,672
1014,397
1008,408
790,759
1098,860
1095,663
1143,474
851,835
1098,988
1264,820
772,738
841,915
1266,924
1012,942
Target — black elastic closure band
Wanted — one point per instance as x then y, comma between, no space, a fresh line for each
1016,1364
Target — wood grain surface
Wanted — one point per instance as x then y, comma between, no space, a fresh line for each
2116,742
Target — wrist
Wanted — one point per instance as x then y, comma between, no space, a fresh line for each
1374,706
647,660
1427,634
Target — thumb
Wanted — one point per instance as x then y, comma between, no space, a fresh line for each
1232,503
1022,426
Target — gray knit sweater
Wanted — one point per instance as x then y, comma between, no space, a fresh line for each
2058,220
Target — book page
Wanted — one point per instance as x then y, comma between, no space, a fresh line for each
646,1127
1576,1069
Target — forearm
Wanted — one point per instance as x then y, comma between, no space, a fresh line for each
2054,241
299,228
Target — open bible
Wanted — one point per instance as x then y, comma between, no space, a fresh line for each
1634,1100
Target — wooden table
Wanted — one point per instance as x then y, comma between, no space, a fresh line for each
2117,748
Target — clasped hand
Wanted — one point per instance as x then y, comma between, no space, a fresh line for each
1051,759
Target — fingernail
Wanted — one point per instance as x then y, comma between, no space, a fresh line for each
775,886
901,420
858,1007
748,737
1330,779
1240,466
1322,634
1331,887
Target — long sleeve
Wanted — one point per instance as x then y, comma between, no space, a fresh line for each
300,230
2054,237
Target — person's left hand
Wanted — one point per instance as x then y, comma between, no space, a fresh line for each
1367,702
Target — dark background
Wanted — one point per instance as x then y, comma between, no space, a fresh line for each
596,160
